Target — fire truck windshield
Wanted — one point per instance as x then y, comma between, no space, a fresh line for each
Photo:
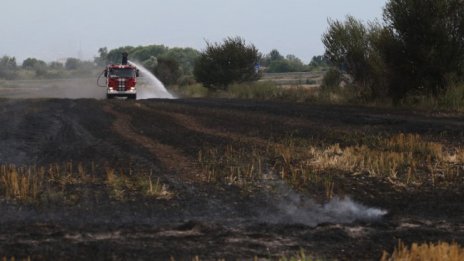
122,73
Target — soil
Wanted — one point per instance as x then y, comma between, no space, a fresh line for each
207,220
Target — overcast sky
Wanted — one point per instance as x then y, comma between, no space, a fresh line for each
54,29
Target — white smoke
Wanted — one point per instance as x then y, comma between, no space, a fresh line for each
296,209
149,86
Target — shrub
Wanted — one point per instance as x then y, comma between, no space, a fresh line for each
221,65
8,68
332,79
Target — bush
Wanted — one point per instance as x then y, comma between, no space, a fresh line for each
8,68
221,65
332,79
453,98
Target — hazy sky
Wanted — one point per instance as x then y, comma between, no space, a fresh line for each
54,29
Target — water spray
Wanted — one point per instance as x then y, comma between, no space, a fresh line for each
151,87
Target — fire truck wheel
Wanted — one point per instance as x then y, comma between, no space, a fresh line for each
109,96
132,97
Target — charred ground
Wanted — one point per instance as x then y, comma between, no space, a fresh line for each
209,219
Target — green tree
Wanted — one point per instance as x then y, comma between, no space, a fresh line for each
115,56
424,45
167,70
319,61
222,64
56,66
353,48
295,63
142,53
102,58
8,68
277,63
32,63
185,57
347,47
151,63
279,66
38,66
418,50
275,55
72,64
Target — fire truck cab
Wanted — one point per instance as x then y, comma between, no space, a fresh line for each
121,80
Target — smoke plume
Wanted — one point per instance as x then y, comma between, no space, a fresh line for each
297,209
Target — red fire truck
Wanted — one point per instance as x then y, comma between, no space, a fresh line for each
121,79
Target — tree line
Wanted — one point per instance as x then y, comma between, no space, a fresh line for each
274,62
417,49
229,61
35,68
174,66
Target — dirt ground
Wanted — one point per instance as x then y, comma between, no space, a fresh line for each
212,221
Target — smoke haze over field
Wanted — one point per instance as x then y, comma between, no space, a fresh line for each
56,88
78,28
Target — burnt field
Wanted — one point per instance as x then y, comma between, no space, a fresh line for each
155,179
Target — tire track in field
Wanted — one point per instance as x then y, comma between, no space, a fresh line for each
172,159
193,125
